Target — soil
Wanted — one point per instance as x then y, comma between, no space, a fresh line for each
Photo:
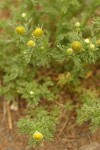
72,137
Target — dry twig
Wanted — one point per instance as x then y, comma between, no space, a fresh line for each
64,125
9,117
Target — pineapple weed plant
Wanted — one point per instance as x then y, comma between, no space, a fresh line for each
45,35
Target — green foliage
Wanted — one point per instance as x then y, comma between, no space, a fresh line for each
90,110
33,92
43,122
38,74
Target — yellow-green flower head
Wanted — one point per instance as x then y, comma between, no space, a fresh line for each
92,46
76,46
69,51
31,93
23,15
42,47
20,30
38,32
87,40
77,24
98,42
38,136
31,43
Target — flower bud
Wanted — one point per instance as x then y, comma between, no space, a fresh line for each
92,46
37,136
87,41
76,46
23,15
31,43
69,51
38,32
77,24
20,30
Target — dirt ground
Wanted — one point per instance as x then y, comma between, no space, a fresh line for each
71,138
